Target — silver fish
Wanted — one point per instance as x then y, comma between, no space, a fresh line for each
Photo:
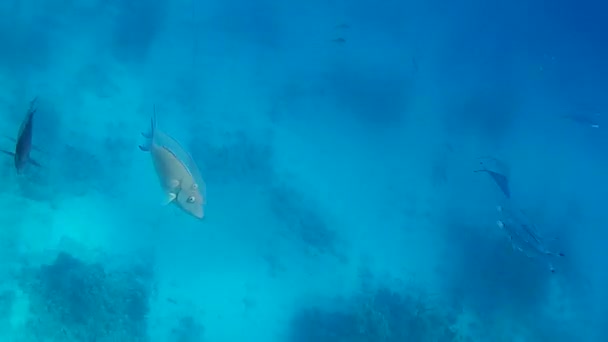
179,176
23,142
524,236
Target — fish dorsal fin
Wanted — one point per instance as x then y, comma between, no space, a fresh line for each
27,121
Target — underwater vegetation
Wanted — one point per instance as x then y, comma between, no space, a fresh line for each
382,315
71,300
367,104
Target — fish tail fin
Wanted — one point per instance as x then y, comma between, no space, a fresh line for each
33,107
36,148
150,133
35,163
10,138
153,121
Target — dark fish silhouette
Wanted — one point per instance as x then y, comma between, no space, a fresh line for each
339,40
23,144
501,180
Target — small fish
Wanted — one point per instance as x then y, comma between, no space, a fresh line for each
524,236
584,119
23,142
501,180
339,40
179,176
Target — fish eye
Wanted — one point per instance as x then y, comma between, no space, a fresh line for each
194,186
191,199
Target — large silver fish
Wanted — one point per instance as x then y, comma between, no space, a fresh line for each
179,176
524,235
23,142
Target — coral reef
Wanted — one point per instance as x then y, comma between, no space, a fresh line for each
75,301
380,315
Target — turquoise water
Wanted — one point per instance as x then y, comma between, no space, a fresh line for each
338,142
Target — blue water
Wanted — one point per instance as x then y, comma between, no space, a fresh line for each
338,141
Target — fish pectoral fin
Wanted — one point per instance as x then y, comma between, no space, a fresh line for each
8,152
36,148
10,138
35,163
170,198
